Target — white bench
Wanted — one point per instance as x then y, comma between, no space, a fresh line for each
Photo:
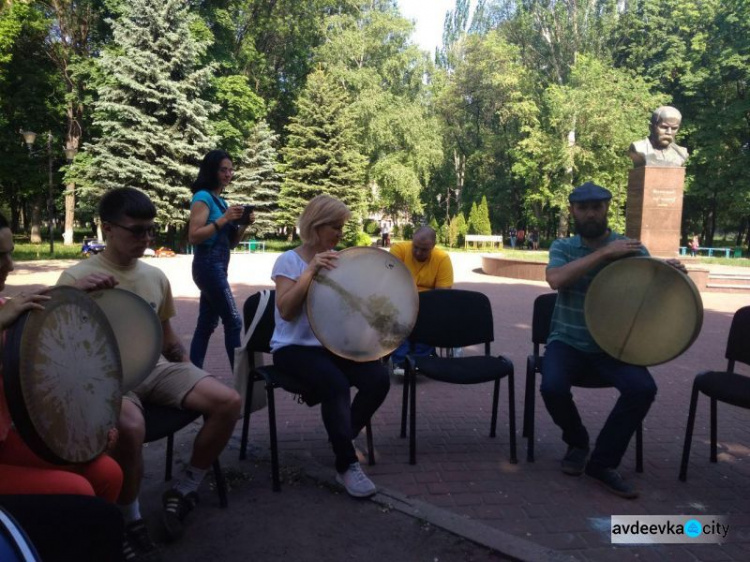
494,241
251,246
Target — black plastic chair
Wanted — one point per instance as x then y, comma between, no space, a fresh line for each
456,318
722,386
165,421
274,378
544,306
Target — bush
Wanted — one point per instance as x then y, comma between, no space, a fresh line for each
443,234
396,231
372,227
359,239
408,231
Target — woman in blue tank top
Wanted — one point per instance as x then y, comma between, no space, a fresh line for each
213,232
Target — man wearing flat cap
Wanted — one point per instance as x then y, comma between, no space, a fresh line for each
571,351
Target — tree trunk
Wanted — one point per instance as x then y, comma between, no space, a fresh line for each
459,164
71,142
741,232
563,223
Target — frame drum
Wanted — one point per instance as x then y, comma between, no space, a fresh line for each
138,331
15,545
62,375
643,311
365,307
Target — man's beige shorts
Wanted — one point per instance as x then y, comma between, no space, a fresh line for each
168,384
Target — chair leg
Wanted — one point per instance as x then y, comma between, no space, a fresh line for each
529,396
495,399
370,447
412,380
512,416
170,453
529,414
713,430
246,418
688,434
404,406
639,448
221,484
274,444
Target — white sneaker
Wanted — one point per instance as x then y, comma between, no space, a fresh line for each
356,482
399,372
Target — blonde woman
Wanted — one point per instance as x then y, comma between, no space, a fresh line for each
298,352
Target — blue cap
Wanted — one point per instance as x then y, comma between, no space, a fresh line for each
589,191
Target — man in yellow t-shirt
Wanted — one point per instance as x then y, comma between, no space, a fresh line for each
431,268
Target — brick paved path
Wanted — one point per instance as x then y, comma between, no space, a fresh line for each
460,468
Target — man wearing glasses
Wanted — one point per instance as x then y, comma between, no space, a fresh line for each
127,217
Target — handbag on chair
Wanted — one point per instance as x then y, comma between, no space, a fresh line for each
242,361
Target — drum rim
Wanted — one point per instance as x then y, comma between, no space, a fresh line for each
315,283
15,399
143,303
697,300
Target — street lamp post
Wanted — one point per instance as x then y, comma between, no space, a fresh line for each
29,137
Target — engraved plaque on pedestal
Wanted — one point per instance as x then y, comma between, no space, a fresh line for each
654,208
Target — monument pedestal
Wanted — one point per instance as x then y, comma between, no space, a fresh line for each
654,208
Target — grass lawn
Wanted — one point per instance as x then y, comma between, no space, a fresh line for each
26,251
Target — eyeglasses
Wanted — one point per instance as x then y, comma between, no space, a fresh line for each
138,231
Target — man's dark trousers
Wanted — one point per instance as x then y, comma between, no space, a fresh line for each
637,391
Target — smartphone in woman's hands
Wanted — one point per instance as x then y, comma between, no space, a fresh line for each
245,218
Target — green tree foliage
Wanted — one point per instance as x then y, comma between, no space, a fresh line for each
479,218
582,133
370,54
457,230
321,155
240,108
257,180
154,123
486,104
30,99
270,43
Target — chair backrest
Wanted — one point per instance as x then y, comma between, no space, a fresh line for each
453,318
544,306
739,337
261,338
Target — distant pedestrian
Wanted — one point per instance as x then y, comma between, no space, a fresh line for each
385,233
512,234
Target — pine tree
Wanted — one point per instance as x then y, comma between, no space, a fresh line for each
457,230
473,218
153,121
321,155
257,181
483,224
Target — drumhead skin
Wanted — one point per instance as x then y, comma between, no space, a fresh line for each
138,331
643,311
365,307
63,376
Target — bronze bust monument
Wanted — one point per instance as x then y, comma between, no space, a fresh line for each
659,149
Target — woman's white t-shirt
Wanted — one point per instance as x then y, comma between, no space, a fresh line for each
298,331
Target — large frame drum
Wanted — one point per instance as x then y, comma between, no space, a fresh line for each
643,311
365,307
138,332
63,377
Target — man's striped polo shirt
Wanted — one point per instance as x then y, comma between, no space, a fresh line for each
568,321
